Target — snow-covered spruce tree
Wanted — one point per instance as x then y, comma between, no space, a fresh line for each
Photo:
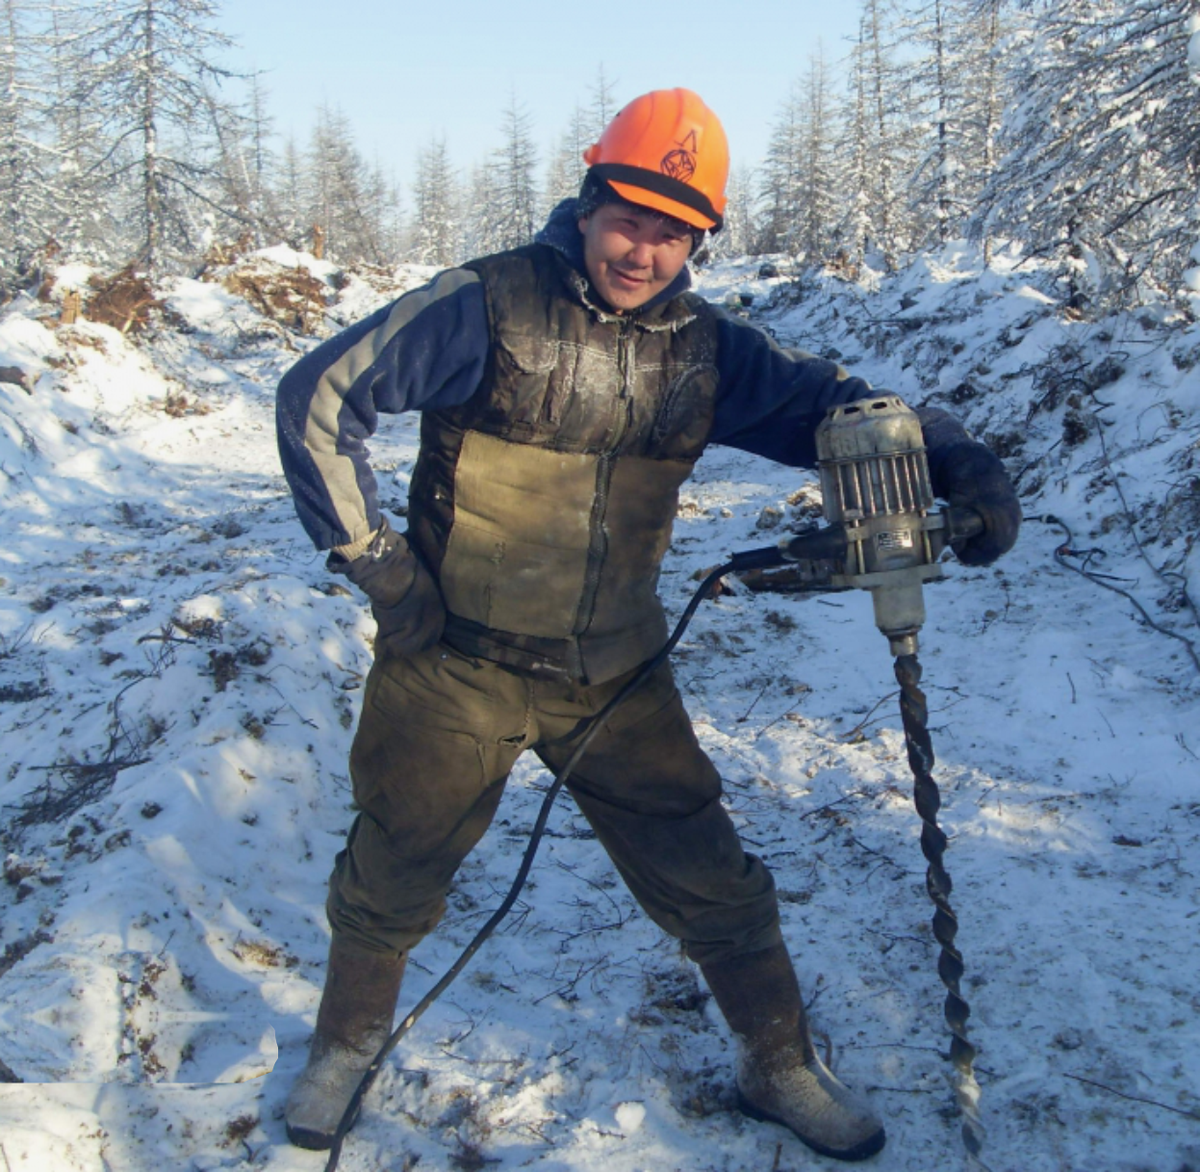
779,204
434,232
28,165
149,64
877,143
737,237
347,202
819,169
513,210
566,167
290,197
1102,148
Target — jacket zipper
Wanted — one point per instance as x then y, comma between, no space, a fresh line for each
597,538
626,366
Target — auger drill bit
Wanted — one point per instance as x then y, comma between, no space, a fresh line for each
914,713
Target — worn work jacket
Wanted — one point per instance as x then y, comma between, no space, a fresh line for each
545,502
554,439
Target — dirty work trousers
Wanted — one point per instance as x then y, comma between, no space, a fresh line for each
438,735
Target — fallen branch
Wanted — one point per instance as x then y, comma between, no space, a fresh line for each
824,809
1135,1098
856,731
85,782
1064,550
1168,579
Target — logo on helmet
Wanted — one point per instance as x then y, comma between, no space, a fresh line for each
681,164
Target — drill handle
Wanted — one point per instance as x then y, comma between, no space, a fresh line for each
828,544
952,524
825,544
962,523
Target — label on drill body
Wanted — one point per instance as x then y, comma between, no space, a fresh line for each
894,539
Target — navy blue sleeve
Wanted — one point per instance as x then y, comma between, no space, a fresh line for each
770,400
426,350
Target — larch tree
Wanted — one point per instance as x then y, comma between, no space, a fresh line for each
855,229
514,208
878,143
28,213
150,64
780,206
989,26
349,203
89,225
819,171
259,160
566,168
290,197
737,236
959,91
934,183
385,210
483,231
1102,160
434,233
602,106
232,164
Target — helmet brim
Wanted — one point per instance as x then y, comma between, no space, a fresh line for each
662,203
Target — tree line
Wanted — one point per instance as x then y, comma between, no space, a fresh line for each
1070,128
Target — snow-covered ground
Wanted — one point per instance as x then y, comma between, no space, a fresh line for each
179,680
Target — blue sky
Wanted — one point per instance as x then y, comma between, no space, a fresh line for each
405,73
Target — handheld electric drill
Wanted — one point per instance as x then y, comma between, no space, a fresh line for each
883,536
883,533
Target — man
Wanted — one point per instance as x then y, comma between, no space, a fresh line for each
567,388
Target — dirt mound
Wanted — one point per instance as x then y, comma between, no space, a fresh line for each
292,297
124,301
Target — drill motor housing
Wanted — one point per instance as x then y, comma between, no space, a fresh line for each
883,534
875,486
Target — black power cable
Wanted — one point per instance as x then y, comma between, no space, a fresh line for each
643,673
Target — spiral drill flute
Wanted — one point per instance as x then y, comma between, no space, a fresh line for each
914,713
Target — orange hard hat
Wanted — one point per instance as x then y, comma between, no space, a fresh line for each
666,150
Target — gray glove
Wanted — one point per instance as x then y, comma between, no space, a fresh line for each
968,474
405,599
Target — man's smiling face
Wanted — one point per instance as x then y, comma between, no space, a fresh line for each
632,254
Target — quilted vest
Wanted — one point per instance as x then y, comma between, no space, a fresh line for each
545,504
